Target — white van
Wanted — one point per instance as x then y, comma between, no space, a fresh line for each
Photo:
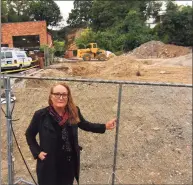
14,59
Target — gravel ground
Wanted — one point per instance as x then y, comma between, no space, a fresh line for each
154,140
155,130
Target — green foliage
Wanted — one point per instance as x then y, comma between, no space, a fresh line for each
124,36
86,37
121,27
106,40
176,26
4,12
51,50
118,53
59,48
101,15
152,10
108,14
42,47
15,11
115,26
24,10
80,16
45,10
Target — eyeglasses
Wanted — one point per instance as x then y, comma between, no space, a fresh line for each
58,95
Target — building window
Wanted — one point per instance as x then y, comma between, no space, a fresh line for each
27,41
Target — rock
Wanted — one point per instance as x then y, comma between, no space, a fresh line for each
156,128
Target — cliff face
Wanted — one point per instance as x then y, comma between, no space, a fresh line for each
74,34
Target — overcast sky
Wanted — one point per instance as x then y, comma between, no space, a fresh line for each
66,6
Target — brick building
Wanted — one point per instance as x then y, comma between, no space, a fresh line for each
27,35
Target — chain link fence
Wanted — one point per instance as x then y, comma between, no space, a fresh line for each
154,138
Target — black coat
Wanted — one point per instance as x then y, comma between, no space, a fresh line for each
41,124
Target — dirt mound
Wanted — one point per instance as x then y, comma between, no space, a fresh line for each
185,60
84,69
157,49
127,67
115,67
120,66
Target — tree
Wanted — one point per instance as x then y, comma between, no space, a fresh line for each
101,15
15,11
86,37
171,7
109,13
176,26
152,10
46,10
4,12
124,36
118,25
59,48
37,10
80,16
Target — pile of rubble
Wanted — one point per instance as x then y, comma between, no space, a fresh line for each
157,49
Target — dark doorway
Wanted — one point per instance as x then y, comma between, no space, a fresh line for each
27,41
4,45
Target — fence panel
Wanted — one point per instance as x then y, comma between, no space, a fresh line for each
155,136
154,139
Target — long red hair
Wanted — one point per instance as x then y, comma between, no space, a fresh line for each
71,107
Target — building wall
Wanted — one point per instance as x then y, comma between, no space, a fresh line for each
24,28
50,43
69,54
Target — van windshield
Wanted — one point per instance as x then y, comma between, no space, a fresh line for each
8,54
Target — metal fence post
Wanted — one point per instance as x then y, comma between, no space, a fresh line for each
46,56
9,133
117,132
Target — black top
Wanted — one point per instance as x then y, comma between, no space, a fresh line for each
66,145
40,123
49,141
64,137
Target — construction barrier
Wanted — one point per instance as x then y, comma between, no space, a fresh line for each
18,70
152,142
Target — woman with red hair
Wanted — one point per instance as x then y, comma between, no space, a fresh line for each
58,152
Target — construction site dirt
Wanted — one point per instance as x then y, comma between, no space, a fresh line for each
155,131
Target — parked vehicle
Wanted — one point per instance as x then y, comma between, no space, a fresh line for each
92,52
13,58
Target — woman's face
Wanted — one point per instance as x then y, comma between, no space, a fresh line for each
59,96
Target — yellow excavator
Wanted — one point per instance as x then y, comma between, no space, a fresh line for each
92,52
